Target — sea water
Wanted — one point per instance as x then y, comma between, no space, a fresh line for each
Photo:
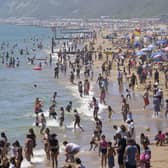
18,94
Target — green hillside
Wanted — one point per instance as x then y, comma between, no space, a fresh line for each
83,8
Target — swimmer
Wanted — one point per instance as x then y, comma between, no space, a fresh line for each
35,86
43,123
69,106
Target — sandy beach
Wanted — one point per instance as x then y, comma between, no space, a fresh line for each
143,118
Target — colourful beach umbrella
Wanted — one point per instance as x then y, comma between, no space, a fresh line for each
160,42
146,49
139,53
151,46
157,56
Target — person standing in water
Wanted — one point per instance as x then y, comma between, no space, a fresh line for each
56,72
77,120
69,106
72,77
52,112
166,108
43,123
61,119
95,105
80,88
19,155
46,143
32,136
28,149
54,150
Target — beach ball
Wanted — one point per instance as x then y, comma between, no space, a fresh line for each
142,157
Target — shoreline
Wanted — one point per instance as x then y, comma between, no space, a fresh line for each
138,94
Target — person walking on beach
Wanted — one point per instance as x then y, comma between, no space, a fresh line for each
77,120
145,156
125,109
130,154
54,150
156,104
72,77
99,80
86,87
121,142
94,140
166,108
146,98
103,151
133,81
156,76
102,95
120,78
110,155
110,111
96,107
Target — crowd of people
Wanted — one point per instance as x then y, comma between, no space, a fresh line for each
132,73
